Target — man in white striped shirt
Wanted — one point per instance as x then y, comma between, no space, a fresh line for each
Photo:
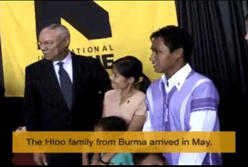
182,100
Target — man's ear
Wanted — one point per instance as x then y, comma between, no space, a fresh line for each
178,52
67,42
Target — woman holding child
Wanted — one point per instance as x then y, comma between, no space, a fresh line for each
127,99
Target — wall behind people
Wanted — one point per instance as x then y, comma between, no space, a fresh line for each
104,30
6,113
218,28
101,29
1,69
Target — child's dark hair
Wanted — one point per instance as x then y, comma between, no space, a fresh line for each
130,66
112,123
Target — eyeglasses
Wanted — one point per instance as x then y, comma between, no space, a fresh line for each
46,44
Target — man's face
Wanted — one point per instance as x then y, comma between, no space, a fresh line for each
162,59
52,45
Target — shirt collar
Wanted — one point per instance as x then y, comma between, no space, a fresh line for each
178,78
66,60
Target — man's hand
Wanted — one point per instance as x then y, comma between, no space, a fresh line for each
21,129
40,158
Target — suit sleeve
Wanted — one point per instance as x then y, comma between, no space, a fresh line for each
103,85
31,107
103,78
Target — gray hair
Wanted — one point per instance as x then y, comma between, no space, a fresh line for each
61,29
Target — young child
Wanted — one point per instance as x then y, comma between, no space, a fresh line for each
112,123
149,159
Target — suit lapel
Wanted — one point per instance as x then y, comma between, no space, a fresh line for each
80,76
52,75
76,77
53,82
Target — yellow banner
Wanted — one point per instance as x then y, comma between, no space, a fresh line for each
71,142
131,24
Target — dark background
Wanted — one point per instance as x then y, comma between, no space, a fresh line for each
221,53
218,28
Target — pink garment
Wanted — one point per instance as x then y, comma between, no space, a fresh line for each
134,105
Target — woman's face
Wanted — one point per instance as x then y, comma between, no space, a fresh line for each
118,81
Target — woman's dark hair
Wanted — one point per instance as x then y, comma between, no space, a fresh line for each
175,37
112,123
130,66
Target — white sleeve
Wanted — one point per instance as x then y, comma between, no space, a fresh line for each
147,125
199,121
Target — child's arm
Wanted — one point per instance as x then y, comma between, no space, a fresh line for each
137,123
106,158
95,159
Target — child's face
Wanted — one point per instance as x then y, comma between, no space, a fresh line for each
98,128
152,159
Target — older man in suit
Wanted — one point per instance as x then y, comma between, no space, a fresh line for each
63,92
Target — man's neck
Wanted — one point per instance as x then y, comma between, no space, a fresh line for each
63,55
174,70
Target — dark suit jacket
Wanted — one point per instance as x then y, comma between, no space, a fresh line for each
44,104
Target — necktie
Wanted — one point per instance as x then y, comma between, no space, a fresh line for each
65,85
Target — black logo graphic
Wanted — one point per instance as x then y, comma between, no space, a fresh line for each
87,17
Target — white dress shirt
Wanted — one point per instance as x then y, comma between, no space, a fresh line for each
67,66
